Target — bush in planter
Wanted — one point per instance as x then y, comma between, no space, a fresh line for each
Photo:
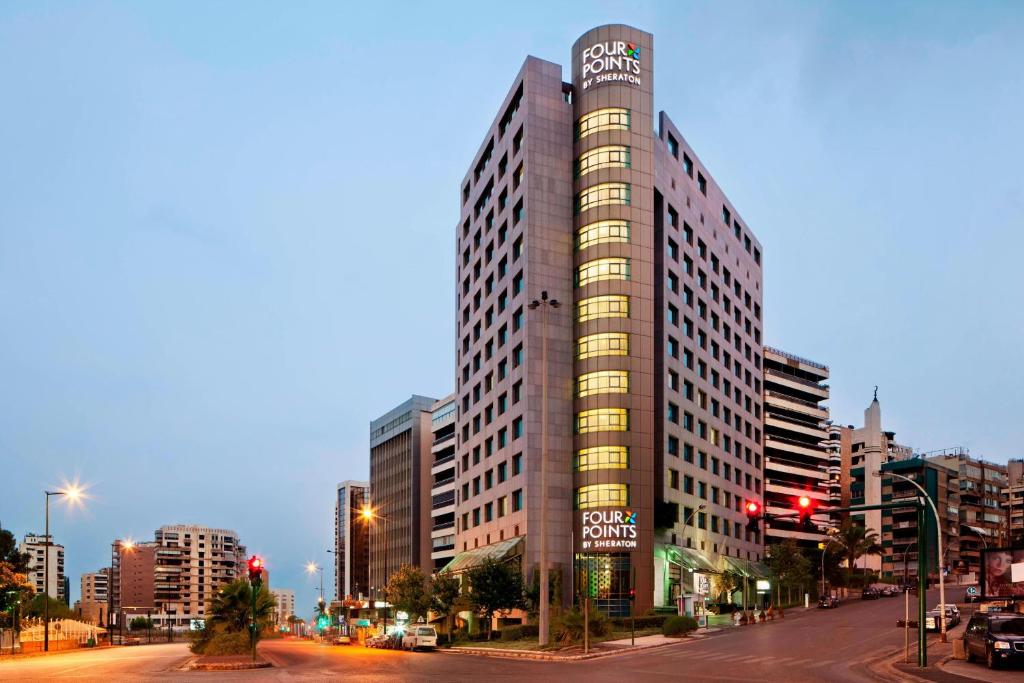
678,626
569,628
530,630
652,621
512,633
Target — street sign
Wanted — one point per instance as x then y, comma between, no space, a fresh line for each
972,590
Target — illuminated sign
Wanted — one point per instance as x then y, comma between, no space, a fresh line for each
608,530
763,586
1002,573
613,61
701,584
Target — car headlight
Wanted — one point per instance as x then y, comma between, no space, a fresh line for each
1001,645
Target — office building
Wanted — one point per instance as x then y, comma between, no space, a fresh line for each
983,495
400,489
442,486
133,585
863,451
351,540
652,361
900,552
34,546
285,598
797,461
92,605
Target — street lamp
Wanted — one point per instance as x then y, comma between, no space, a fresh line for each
369,514
544,304
72,493
831,533
938,531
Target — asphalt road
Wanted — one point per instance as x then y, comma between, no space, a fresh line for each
813,645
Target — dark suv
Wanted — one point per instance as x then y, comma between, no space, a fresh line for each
997,637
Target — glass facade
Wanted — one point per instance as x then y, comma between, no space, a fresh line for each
602,382
602,232
608,156
602,458
602,420
603,194
606,580
610,118
602,495
606,306
602,344
614,268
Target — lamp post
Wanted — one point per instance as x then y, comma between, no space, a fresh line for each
73,494
369,515
544,304
942,559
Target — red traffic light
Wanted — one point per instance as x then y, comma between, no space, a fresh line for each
255,568
804,502
752,508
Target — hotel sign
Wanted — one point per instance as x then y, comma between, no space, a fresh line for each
613,61
608,530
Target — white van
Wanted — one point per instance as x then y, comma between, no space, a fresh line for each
420,637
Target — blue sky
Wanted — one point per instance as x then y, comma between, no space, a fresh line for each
227,231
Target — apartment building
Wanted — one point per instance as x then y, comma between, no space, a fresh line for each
643,386
351,540
285,598
900,552
442,486
400,461
797,460
92,605
983,495
1013,500
51,582
863,451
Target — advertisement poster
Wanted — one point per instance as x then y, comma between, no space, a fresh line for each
1002,573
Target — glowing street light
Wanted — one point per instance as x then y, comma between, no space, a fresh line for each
73,493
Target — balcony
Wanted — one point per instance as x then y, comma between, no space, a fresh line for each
798,383
795,404
811,428
443,460
784,444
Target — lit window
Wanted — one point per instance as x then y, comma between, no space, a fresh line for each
614,268
602,382
602,232
612,118
602,420
607,306
608,156
603,194
603,344
602,495
602,458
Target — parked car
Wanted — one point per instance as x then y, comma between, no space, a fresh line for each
890,592
997,637
420,637
378,640
343,640
932,622
828,601
870,594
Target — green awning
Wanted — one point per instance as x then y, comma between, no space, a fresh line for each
502,550
751,570
690,558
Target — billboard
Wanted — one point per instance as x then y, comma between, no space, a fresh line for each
1002,573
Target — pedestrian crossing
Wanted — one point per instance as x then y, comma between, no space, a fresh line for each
687,654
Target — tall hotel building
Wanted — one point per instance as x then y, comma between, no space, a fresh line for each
653,358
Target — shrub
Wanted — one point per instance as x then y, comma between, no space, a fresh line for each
236,643
678,626
651,621
512,633
570,626
530,630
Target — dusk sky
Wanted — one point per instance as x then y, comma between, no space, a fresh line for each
227,232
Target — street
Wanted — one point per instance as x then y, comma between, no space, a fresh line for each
812,645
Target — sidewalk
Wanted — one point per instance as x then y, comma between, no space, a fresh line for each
942,668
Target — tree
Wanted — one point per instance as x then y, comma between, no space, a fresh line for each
140,624
788,565
858,542
494,587
407,591
532,592
445,592
725,584
227,619
58,610
9,553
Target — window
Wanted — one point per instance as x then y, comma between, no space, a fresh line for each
726,216
608,156
517,356
602,495
687,164
673,479
673,413
602,420
502,472
602,458
612,118
517,427
602,232
602,382
517,500
602,344
613,268
702,184
673,146
688,484
517,464
607,306
602,194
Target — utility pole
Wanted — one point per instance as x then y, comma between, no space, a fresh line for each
544,616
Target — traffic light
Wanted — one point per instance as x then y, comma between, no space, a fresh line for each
753,510
805,507
632,595
255,569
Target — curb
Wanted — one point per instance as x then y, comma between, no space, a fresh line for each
228,667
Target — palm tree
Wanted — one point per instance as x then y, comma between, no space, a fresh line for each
232,606
858,541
